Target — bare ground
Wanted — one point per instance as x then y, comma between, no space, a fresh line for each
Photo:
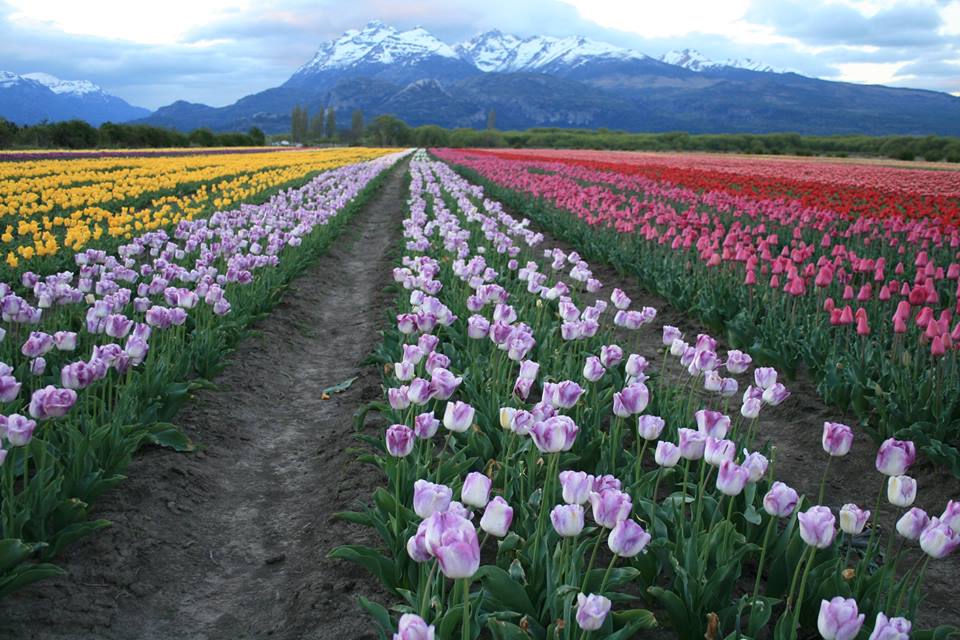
231,542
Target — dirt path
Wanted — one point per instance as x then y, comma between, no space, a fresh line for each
795,428
231,543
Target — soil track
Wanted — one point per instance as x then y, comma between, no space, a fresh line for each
231,542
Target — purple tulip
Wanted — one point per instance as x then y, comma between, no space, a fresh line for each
566,394
751,408
765,377
9,388
404,371
912,523
413,627
938,540
65,340
575,486
901,490
732,478
497,517
611,355
444,383
406,323
18,430
712,423
679,348
436,361
890,628
118,325
817,527
522,422
780,500
631,400
729,387
400,440
430,498
136,350
756,465
567,520
476,490
775,395
667,454
428,343
895,456
670,334
398,398
610,507
51,402
37,344
478,327
716,452
837,438
420,391
692,444
592,610
627,539
853,519
425,425
602,483
593,369
457,550
839,619
620,299
951,515
38,366
526,378
737,361
555,434
458,416
650,427
77,375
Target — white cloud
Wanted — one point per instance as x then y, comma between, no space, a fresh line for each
135,21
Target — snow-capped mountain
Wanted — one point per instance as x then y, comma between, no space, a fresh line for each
33,97
696,61
565,82
494,51
378,49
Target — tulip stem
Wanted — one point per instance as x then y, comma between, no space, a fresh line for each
593,557
643,450
466,609
425,598
823,481
606,576
873,532
793,581
763,557
803,586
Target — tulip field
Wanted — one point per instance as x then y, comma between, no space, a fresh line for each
546,482
137,310
552,460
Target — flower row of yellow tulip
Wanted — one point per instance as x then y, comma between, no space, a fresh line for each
51,206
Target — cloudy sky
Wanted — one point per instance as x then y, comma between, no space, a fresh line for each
215,51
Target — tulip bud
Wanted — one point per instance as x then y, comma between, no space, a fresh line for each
938,540
951,515
732,478
895,456
593,370
853,519
413,627
650,427
458,416
837,438
817,527
610,507
716,452
430,498
627,539
901,490
592,610
839,619
756,465
667,454
780,500
692,444
497,517
567,520
912,523
476,490
400,440
890,628
575,486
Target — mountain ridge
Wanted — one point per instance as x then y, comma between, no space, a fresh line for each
30,98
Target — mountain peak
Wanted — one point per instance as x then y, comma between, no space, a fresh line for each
695,61
73,87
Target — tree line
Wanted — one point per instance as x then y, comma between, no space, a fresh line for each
78,134
322,127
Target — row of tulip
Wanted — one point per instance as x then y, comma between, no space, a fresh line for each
94,362
596,484
52,208
867,305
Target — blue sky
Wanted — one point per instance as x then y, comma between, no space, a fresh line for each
216,51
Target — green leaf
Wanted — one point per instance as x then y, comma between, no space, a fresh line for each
168,435
503,630
371,560
676,609
340,387
13,552
28,574
378,613
505,589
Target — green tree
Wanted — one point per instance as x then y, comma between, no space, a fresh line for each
492,119
203,138
388,131
8,132
331,128
256,134
299,124
356,125
316,126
